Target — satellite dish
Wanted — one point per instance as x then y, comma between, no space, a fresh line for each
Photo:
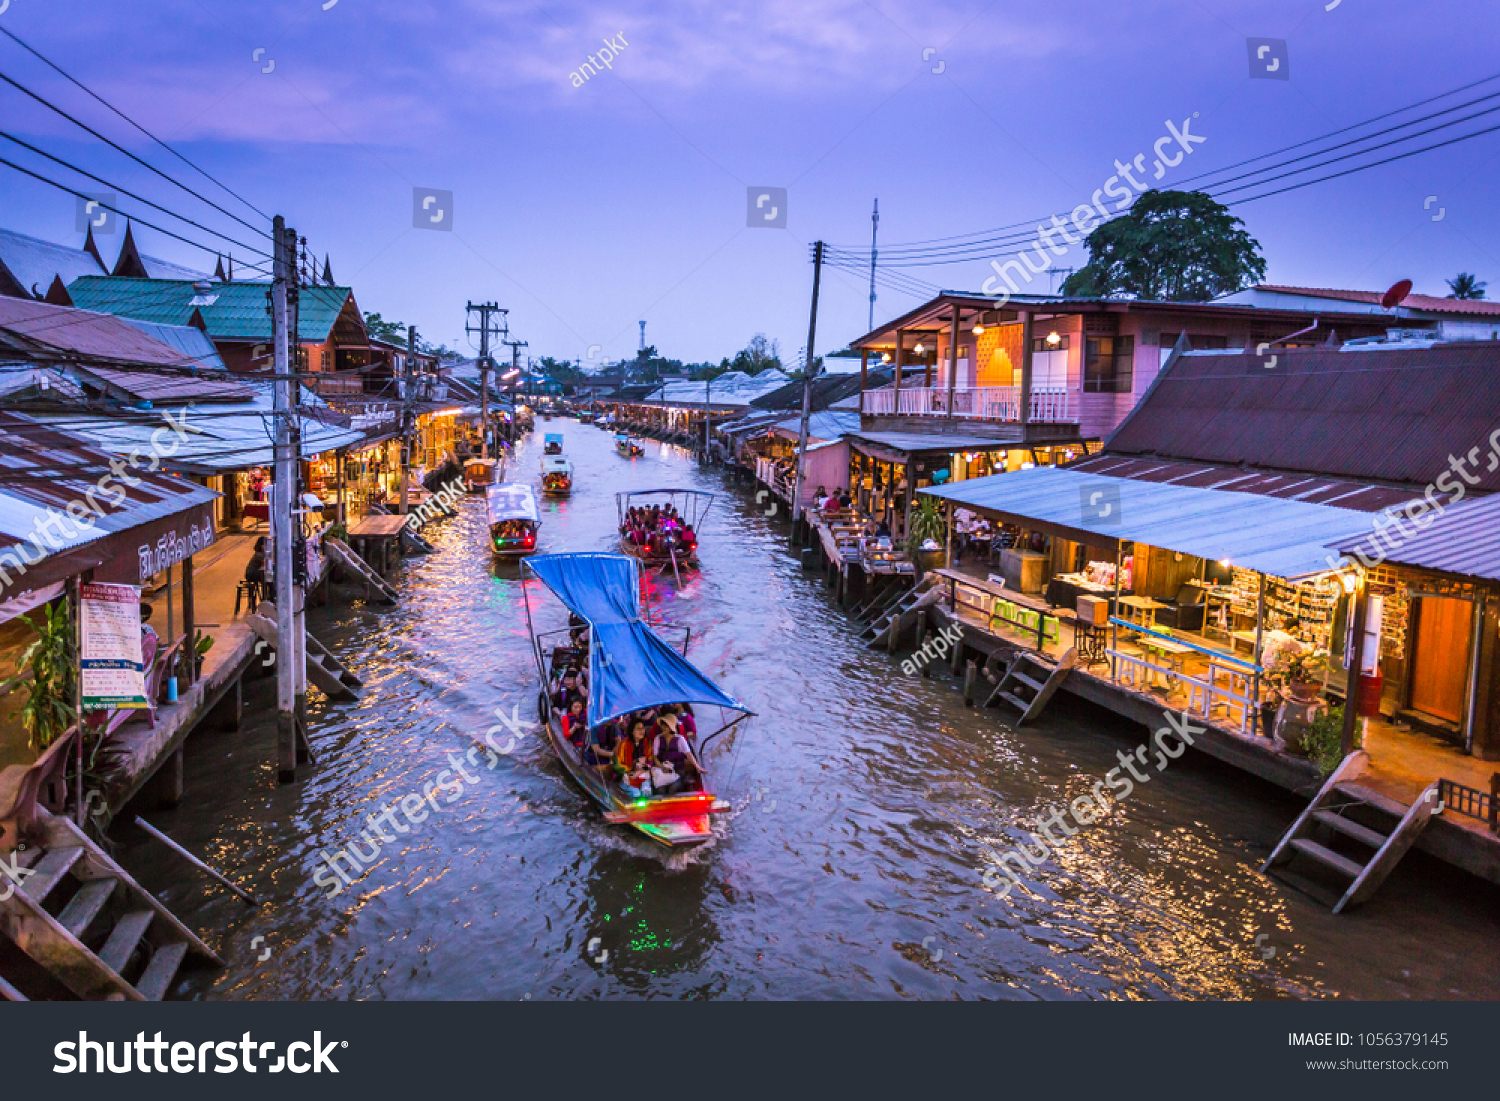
1396,295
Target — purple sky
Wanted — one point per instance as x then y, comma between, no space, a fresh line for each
585,209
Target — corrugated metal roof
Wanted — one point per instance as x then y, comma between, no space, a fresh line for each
1464,539
192,342
230,311
1301,487
1474,308
830,424
42,470
1281,537
34,262
917,441
1377,415
219,439
66,331
165,269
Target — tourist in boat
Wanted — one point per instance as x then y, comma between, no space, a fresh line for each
575,724
599,748
568,691
674,754
633,760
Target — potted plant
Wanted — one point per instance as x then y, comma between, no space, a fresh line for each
1295,669
927,526
48,710
201,645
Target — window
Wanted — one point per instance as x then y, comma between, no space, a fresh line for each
1107,367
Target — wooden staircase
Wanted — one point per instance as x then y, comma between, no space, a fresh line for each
323,669
1327,821
84,921
900,614
1031,681
374,583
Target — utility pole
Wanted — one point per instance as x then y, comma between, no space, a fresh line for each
283,499
807,389
406,409
874,231
485,309
296,645
515,365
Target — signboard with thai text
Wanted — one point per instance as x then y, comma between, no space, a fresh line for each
114,675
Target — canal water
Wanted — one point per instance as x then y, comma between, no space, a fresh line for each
868,804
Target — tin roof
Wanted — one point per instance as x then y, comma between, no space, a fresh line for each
68,332
830,425
191,341
43,469
33,263
1460,540
1274,535
1425,302
1369,414
230,311
915,442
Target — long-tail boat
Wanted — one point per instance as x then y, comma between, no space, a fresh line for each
631,670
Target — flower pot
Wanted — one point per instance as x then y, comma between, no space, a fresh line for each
1268,718
1305,690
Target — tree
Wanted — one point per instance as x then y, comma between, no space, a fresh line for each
1464,285
1175,246
757,356
381,329
559,370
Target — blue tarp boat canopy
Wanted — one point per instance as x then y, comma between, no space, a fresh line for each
630,668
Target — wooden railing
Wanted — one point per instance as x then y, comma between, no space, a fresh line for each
1049,404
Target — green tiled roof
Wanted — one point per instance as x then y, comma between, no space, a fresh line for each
231,311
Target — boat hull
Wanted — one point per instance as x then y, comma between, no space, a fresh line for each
673,832
683,560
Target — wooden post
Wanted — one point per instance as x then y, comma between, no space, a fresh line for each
896,363
956,658
1355,659
188,620
1024,399
911,494
1114,630
894,632
971,674
1260,624
864,375
952,358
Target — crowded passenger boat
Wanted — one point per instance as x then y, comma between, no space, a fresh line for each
620,704
513,518
557,476
552,443
628,445
660,526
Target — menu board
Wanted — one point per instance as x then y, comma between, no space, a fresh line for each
111,666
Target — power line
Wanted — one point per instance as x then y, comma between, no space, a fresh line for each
79,84
113,145
123,191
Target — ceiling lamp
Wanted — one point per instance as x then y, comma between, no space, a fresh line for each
919,349
1053,339
978,329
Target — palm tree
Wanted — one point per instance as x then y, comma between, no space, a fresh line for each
1464,285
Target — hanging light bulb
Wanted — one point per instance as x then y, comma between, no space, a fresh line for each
1054,339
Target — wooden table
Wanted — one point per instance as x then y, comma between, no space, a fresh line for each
377,536
1174,654
1144,606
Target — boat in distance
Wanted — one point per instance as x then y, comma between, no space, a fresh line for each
513,518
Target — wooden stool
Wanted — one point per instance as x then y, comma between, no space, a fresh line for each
250,591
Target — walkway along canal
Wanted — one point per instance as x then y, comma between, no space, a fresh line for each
870,803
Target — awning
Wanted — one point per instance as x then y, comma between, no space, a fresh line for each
1273,535
898,446
630,668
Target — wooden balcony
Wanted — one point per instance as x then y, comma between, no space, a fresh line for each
1002,404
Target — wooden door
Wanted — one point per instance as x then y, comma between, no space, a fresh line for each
1440,656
